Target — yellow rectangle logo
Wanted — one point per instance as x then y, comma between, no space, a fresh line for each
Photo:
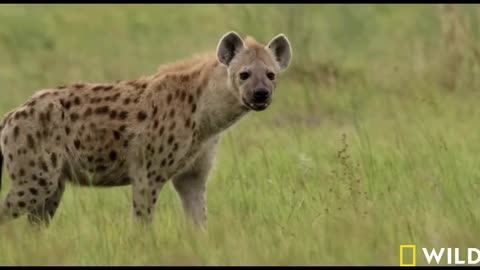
402,255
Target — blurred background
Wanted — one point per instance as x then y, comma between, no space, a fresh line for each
372,140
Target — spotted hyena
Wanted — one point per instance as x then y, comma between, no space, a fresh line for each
141,132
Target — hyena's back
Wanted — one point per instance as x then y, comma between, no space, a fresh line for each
82,130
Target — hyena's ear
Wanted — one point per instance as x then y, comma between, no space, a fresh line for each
229,45
281,49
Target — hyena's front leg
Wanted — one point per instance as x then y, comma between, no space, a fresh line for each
191,186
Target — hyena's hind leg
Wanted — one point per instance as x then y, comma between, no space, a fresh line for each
43,214
35,180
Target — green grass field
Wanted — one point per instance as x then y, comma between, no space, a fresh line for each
372,141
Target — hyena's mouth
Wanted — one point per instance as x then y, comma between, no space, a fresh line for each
256,106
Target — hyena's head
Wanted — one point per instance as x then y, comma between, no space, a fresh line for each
253,68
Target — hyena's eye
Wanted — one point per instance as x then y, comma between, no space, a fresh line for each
271,76
244,75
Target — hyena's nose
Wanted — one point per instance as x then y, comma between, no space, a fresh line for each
261,95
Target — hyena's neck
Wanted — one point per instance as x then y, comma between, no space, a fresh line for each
217,107
220,107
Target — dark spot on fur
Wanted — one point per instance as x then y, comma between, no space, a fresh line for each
21,173
97,88
78,86
30,141
170,139
76,101
87,112
20,193
42,182
155,124
66,104
47,116
31,163
115,97
141,116
194,108
164,162
53,158
95,100
172,126
16,131
190,99
74,117
113,156
43,165
169,98
33,191
160,149
172,113
123,115
102,110
67,130
21,204
113,114
100,168
116,135
77,144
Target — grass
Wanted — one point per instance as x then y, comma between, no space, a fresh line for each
372,140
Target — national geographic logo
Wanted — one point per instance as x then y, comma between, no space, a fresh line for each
439,256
